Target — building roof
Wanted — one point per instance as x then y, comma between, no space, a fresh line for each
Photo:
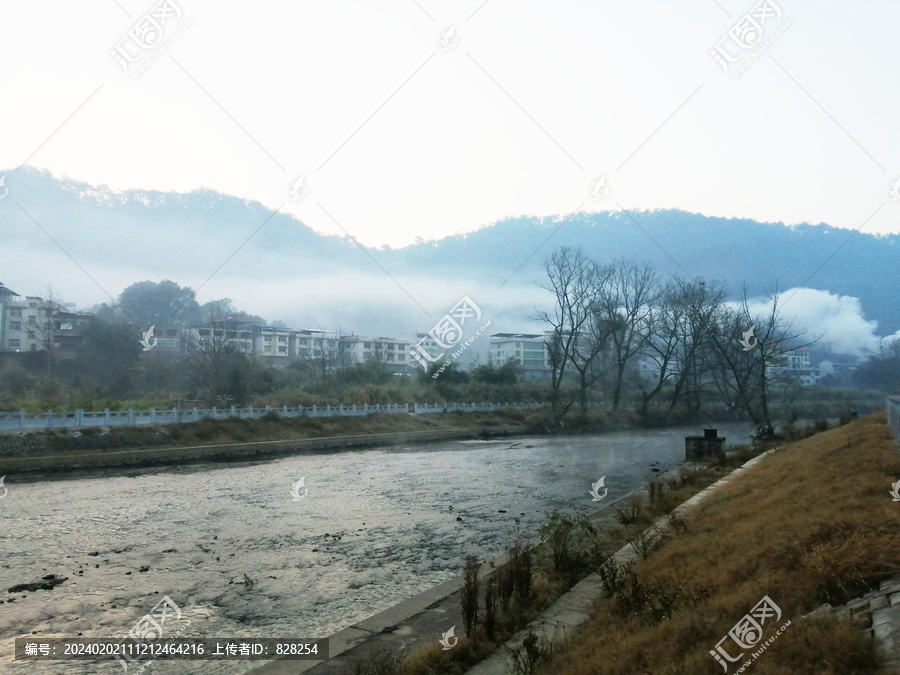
520,336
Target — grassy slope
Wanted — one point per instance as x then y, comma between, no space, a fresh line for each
811,523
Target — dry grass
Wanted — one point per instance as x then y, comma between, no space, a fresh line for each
811,523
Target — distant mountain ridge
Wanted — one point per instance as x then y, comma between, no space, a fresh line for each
135,235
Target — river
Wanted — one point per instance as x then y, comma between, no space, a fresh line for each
371,528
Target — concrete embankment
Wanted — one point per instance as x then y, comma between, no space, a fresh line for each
411,624
41,463
422,620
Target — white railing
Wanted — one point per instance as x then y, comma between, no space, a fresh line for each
892,404
109,418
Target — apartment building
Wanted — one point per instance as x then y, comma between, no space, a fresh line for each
30,324
278,346
171,340
236,331
22,323
528,350
795,364
392,352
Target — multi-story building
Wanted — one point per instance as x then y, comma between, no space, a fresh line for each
795,364
22,325
236,330
172,340
328,348
275,345
31,324
528,350
68,331
392,352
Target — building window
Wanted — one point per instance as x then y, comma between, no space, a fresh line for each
15,325
267,338
32,305
170,343
32,320
368,345
15,344
31,335
401,357
267,348
301,341
282,349
33,347
15,313
282,339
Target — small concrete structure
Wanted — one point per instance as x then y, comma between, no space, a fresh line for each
700,448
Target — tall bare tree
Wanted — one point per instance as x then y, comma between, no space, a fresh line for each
572,280
625,305
749,346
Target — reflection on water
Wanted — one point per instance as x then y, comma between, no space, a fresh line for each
375,527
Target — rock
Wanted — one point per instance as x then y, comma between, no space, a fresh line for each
95,553
48,583
458,519
127,573
501,511
144,568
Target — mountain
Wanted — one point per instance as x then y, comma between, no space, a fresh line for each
89,241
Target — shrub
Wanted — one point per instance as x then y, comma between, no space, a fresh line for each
468,596
490,606
629,513
520,570
380,661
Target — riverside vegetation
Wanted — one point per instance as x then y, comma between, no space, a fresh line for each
836,539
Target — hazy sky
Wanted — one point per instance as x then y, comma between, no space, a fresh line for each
530,103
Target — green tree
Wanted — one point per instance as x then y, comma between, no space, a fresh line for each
147,303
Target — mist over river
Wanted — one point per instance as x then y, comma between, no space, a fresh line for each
376,527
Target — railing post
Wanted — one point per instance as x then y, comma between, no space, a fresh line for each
130,416
196,414
79,416
49,419
152,415
284,411
22,418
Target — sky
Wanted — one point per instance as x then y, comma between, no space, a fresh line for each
406,119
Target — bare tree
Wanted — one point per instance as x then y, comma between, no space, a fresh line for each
573,283
692,362
626,305
748,357
44,324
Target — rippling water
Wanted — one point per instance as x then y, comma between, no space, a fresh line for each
376,527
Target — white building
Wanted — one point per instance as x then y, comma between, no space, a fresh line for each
528,350
391,352
795,364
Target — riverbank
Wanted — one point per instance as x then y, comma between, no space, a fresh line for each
665,601
415,623
42,463
234,439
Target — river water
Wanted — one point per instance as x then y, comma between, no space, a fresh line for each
373,528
